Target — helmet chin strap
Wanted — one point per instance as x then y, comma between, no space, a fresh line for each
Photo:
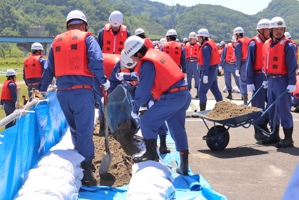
272,35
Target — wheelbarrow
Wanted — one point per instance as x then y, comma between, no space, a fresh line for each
217,137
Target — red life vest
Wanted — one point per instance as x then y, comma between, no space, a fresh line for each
192,50
148,43
5,94
114,43
258,63
215,57
32,67
110,61
70,55
230,53
296,50
174,50
274,58
220,52
296,92
166,74
184,45
245,42
136,69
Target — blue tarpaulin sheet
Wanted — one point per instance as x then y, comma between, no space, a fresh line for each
23,144
192,187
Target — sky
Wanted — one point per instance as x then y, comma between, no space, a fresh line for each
248,7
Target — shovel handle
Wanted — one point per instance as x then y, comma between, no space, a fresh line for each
105,95
18,95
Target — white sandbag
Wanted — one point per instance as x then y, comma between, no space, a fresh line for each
236,90
56,162
49,186
71,155
150,180
224,90
78,184
36,196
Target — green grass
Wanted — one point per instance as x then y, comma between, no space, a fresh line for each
12,62
3,78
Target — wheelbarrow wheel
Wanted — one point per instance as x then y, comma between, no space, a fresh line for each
219,142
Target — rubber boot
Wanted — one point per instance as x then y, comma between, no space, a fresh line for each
202,106
151,152
287,141
183,170
258,135
196,93
245,99
102,125
163,148
274,138
88,178
229,96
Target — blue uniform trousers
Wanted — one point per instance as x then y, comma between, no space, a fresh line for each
277,86
163,129
228,71
243,77
261,97
31,81
212,85
172,109
9,108
192,70
78,108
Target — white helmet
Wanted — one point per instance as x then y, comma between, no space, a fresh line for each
277,22
177,40
185,39
171,32
287,35
155,42
263,23
234,39
162,41
116,18
76,14
11,72
238,30
126,61
192,35
132,45
37,46
139,31
203,32
222,43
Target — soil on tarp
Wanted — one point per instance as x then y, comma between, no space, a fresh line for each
121,143
226,109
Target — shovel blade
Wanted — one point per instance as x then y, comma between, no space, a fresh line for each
106,162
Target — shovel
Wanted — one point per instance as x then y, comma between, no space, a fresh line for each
107,158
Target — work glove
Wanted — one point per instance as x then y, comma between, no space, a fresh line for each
106,85
291,88
134,115
265,84
1,107
220,68
237,73
120,76
251,88
150,104
205,79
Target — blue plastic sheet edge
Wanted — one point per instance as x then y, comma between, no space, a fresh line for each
23,144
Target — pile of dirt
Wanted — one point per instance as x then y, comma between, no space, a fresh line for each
226,109
121,144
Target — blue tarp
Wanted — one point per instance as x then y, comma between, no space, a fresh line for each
23,144
193,187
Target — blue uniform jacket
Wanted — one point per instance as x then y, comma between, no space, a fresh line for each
238,52
206,51
101,34
95,65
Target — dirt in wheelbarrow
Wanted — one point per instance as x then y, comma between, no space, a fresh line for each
121,143
226,109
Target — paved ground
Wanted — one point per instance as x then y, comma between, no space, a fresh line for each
245,169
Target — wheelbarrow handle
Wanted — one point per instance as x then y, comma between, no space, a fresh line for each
254,95
105,95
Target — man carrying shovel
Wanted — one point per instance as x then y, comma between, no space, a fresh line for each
75,58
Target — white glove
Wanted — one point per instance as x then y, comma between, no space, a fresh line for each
205,79
237,73
220,68
251,88
1,107
120,76
291,88
265,84
150,104
134,115
106,85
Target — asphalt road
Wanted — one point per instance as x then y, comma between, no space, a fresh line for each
245,170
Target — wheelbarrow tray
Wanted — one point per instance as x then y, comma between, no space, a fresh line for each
233,121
